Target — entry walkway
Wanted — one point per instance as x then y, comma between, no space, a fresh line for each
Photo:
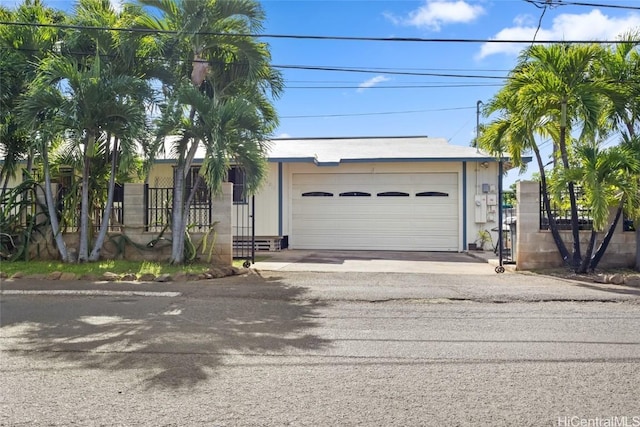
375,262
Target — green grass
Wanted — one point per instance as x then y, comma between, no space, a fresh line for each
98,268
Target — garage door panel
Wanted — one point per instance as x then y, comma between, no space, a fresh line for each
375,222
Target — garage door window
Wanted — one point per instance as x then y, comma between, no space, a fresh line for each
393,194
317,194
355,194
432,194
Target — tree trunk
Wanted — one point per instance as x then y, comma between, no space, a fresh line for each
177,225
553,227
104,225
180,212
575,227
83,247
584,265
51,209
597,257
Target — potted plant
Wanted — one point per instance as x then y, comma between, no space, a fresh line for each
483,238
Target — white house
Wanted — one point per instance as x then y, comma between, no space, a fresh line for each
377,193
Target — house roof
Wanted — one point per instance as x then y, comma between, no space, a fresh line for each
333,151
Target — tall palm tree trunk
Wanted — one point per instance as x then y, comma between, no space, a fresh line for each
177,216
83,247
51,209
597,257
104,224
553,226
575,227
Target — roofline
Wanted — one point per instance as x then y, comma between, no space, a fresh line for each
328,138
526,159
390,160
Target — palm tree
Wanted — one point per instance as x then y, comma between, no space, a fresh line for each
83,103
22,48
604,175
620,66
127,57
553,92
205,56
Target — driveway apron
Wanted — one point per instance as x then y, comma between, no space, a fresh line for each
374,262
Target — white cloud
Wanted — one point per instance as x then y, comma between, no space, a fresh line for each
436,13
372,82
588,26
283,135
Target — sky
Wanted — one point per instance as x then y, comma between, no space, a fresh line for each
320,103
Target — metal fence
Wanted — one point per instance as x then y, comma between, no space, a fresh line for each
159,203
18,208
68,207
562,215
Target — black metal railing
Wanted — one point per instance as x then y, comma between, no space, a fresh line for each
562,216
68,208
159,202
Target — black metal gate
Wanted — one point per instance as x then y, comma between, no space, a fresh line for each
244,238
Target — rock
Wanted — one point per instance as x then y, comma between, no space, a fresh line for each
147,277
67,276
633,281
17,275
164,278
129,277
110,277
3,275
180,276
216,273
191,277
600,278
54,275
616,279
35,276
240,271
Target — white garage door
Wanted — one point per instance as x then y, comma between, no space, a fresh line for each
375,211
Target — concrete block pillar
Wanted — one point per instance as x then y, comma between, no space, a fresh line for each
223,215
134,205
528,220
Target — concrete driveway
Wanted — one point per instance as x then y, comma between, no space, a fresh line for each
376,262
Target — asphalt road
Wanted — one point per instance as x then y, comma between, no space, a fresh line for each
315,349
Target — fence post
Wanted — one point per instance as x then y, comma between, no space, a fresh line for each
528,221
223,214
134,205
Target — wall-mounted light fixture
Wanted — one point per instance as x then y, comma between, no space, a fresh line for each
484,165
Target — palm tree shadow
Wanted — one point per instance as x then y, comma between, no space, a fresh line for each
171,342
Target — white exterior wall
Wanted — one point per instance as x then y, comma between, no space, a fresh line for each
476,176
267,204
474,183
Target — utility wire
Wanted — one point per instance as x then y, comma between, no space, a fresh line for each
553,3
310,37
383,113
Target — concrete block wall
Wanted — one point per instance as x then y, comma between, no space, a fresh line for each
535,248
137,242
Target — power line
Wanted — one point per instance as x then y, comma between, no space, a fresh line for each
435,86
383,113
372,71
554,3
312,37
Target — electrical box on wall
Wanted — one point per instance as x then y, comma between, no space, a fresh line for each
480,208
485,188
492,199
